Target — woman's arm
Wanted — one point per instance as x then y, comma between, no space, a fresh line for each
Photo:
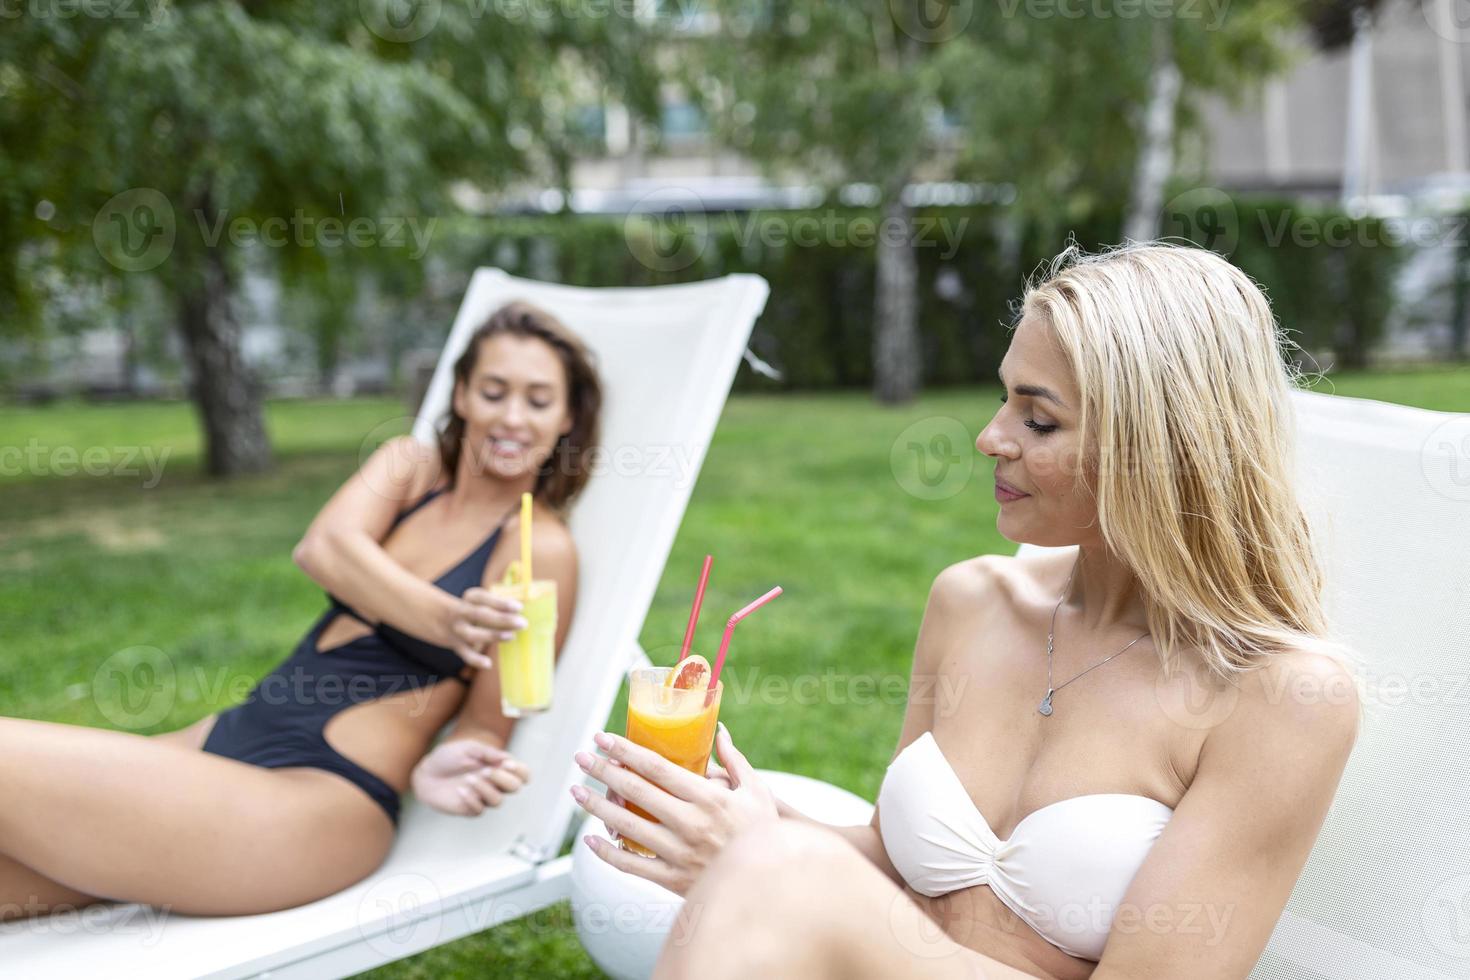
957,594
342,550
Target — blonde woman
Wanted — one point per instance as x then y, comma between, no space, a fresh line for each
1152,722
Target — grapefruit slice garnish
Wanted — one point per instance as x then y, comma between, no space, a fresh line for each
690,673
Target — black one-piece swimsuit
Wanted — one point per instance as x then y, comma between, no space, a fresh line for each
283,721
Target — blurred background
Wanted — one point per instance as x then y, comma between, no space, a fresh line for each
233,236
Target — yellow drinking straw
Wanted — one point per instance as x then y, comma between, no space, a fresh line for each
526,541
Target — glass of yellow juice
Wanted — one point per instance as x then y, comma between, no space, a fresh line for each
528,660
677,723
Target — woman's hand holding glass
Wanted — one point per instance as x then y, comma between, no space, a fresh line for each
697,816
478,619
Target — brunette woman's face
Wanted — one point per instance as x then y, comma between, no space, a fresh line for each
1036,445
515,407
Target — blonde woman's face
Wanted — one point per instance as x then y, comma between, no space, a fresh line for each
1034,441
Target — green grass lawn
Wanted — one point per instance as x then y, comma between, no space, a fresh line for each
799,491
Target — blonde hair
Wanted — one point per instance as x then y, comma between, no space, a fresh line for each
1187,420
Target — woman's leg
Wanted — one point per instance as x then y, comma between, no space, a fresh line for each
25,892
790,899
153,820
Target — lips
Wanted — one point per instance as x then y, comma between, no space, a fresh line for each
1007,489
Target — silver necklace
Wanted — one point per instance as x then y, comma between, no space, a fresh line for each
1045,706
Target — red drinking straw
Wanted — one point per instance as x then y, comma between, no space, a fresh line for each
694,613
730,631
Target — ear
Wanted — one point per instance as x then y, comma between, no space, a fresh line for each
457,399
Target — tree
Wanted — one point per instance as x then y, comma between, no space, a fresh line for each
1010,92
168,146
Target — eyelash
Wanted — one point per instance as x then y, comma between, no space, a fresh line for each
1032,424
495,398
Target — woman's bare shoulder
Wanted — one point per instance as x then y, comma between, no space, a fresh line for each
1013,579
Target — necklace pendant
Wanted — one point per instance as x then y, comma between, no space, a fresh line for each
1045,706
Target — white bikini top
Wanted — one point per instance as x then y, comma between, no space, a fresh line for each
1064,870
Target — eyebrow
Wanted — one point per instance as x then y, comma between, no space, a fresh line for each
497,379
1033,391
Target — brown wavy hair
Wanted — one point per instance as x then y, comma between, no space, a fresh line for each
564,473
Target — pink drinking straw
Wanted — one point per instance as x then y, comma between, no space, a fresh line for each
694,613
730,631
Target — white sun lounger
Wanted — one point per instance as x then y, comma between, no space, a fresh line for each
667,356
1386,892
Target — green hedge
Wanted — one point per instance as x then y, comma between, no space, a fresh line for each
1328,275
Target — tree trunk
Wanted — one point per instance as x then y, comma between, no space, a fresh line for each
896,358
1156,148
225,395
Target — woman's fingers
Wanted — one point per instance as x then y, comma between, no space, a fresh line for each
474,636
738,767
651,766
651,869
487,791
654,836
501,615
473,805
502,778
473,657
633,788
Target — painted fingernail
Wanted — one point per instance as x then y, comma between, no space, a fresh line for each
507,636
584,760
590,841
579,793
522,622
603,740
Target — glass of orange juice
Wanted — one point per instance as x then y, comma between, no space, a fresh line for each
677,723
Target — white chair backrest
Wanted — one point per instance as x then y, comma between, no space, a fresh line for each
667,356
1386,891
